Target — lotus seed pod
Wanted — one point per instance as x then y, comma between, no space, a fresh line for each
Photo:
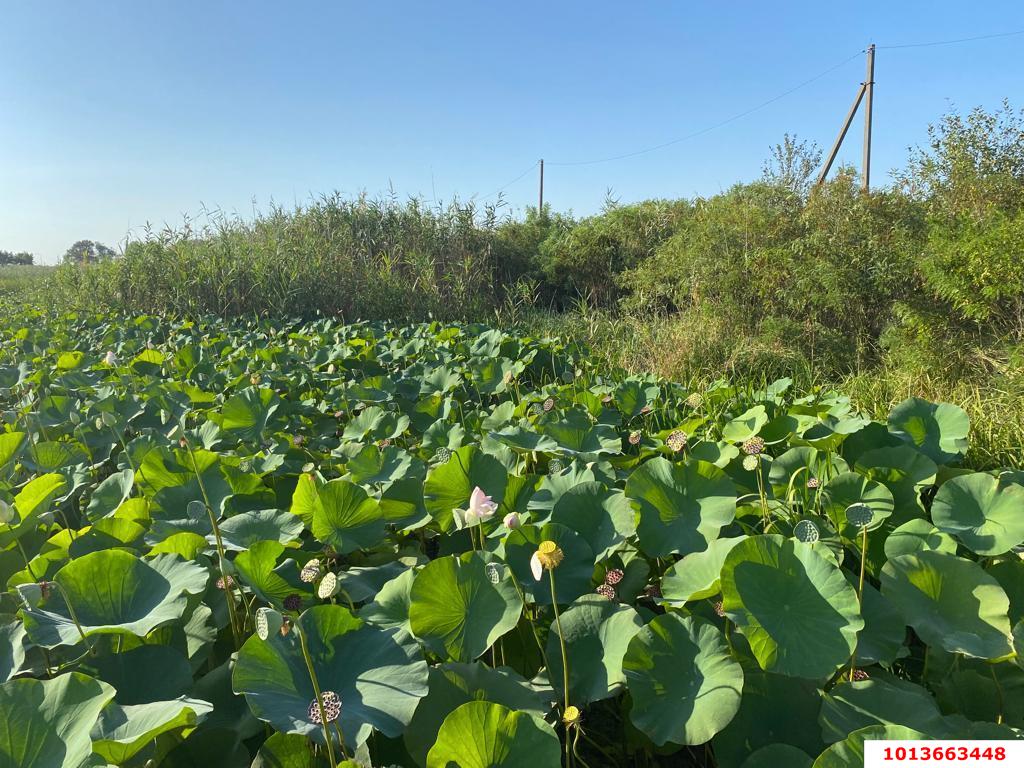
293,603
653,591
860,675
859,514
8,516
646,409
719,607
568,376
555,466
614,576
550,555
225,582
310,571
606,591
608,400
298,440
754,446
328,586
806,531
549,404
813,483
332,708
493,571
634,437
676,441
571,716
750,463
268,622
537,409
443,455
695,401
195,509
31,595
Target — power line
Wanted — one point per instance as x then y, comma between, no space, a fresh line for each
710,128
503,187
951,42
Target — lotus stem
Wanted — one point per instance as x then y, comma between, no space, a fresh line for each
74,617
228,582
24,556
319,698
860,591
561,638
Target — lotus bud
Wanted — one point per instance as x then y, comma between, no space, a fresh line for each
31,595
512,521
331,369
8,515
547,557
328,586
110,358
268,622
108,419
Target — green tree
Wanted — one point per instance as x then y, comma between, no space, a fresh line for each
88,252
7,258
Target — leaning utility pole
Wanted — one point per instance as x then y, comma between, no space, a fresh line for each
867,88
540,205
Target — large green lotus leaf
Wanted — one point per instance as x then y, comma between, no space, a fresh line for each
363,584
885,631
10,445
452,685
241,531
374,466
848,707
994,694
12,646
602,516
632,396
938,430
794,606
143,674
457,610
247,414
849,488
682,678
122,731
682,506
774,710
778,756
697,575
522,438
46,723
576,435
110,494
986,517
746,425
218,747
481,734
377,424
33,500
950,602
574,577
449,485
596,632
288,750
916,535
390,606
115,592
379,675
1010,575
904,471
170,479
849,753
813,462
339,513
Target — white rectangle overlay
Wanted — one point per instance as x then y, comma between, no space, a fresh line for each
943,754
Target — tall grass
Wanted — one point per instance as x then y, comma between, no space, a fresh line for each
354,258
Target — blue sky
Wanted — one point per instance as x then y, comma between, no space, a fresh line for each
117,113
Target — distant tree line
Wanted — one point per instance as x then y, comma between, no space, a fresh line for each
9,259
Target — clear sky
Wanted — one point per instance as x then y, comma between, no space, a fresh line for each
114,114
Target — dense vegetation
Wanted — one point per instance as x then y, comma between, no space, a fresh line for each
292,543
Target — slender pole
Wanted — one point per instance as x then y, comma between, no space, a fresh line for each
869,85
540,204
842,135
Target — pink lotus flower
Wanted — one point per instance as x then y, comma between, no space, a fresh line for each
111,358
512,520
481,508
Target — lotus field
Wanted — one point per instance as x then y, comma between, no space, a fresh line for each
298,544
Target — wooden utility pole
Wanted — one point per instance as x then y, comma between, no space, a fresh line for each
869,89
540,204
866,90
